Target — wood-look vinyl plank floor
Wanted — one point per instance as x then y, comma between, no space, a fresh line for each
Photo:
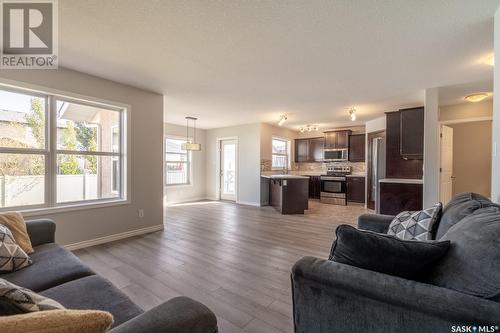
235,259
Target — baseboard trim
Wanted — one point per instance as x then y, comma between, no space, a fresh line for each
248,203
111,238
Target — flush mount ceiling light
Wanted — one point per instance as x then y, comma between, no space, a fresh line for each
283,118
352,114
490,60
191,145
309,128
476,97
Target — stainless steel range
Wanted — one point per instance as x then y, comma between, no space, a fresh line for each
333,185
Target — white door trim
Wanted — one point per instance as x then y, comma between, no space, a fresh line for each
218,166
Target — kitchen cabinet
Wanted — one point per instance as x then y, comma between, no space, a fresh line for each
356,189
289,195
357,149
337,139
398,197
314,187
309,150
302,150
412,133
397,165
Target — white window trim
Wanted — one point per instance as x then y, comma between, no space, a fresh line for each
189,162
50,205
288,152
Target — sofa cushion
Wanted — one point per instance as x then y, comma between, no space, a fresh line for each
94,292
460,206
385,253
15,222
472,265
52,265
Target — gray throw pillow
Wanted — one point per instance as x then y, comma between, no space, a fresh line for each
418,225
24,300
12,257
472,265
382,253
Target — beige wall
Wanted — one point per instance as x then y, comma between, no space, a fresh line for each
195,190
472,157
145,154
466,111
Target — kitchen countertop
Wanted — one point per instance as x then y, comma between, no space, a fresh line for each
357,175
284,177
401,181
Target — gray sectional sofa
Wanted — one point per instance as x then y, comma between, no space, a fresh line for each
333,297
60,275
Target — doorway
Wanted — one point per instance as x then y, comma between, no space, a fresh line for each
446,168
228,167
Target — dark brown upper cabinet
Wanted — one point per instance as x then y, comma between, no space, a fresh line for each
397,165
357,148
337,139
309,150
412,133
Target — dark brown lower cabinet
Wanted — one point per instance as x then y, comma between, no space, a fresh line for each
289,196
398,197
356,189
314,187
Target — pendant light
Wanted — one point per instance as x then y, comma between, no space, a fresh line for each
193,146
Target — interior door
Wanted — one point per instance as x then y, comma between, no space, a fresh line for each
228,169
446,165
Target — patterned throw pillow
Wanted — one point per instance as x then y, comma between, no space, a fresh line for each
12,257
419,225
24,299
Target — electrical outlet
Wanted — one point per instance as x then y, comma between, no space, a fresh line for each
141,213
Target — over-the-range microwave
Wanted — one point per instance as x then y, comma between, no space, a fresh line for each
336,155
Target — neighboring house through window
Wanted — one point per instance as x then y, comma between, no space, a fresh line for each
83,163
280,153
177,162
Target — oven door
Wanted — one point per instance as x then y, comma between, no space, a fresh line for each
332,185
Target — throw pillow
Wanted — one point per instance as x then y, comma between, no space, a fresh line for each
12,257
24,299
58,321
419,225
15,222
387,254
472,266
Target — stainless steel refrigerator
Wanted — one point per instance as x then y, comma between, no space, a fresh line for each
378,167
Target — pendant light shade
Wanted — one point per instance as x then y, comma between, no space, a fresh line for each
191,145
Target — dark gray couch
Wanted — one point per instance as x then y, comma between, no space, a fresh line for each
334,297
60,275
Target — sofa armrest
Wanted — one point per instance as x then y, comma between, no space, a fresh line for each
333,297
41,231
375,222
179,314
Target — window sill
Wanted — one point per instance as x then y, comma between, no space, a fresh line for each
73,207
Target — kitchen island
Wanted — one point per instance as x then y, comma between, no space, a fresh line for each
289,194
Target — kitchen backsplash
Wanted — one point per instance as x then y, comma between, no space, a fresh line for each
357,167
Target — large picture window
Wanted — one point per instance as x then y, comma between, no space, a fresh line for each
280,153
57,151
177,167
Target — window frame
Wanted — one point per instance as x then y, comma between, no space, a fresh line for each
287,155
188,162
51,152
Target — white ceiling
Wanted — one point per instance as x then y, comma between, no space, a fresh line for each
451,95
234,62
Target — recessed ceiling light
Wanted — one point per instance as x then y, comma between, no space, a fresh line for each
477,97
